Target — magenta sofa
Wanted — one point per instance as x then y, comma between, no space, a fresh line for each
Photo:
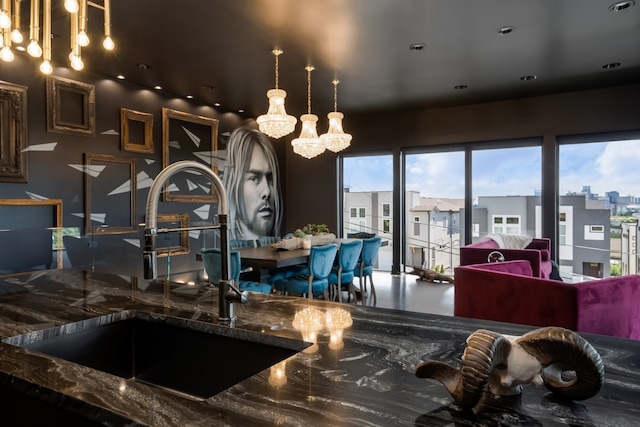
506,292
538,253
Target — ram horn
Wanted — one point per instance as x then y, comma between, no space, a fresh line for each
485,350
572,368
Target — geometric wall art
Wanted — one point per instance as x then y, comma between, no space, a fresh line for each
113,209
186,137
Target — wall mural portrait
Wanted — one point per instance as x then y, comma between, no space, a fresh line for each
252,180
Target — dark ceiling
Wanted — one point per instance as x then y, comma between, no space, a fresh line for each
220,50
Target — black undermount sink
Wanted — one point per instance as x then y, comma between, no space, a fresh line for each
190,358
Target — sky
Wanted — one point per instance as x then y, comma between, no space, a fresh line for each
605,166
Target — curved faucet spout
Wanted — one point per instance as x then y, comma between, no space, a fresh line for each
150,255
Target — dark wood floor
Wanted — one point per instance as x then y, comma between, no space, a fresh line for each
404,292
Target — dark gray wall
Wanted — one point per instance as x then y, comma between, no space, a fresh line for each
51,177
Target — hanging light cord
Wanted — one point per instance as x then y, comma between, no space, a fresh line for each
309,70
335,94
277,52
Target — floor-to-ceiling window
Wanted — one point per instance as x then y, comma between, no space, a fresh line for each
599,206
434,202
367,204
506,185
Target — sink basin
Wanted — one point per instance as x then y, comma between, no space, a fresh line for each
190,358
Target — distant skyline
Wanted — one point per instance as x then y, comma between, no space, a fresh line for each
604,166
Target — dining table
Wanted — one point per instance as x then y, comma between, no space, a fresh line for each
263,260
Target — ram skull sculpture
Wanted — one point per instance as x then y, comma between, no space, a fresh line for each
498,364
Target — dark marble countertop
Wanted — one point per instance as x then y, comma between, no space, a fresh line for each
365,379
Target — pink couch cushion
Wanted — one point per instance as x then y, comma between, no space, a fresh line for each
520,267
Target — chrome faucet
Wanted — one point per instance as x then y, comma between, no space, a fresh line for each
228,293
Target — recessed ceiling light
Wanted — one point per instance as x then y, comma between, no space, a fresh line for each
417,46
120,77
506,30
460,87
622,5
241,111
157,87
208,87
189,96
217,104
20,48
143,66
530,77
612,65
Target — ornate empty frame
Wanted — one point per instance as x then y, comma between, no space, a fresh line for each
136,131
13,132
113,180
71,107
182,246
189,137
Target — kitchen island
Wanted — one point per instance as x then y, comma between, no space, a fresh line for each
359,372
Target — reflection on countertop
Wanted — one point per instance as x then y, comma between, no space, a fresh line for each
359,371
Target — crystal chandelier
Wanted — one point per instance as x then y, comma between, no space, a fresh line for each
336,139
10,32
276,123
308,144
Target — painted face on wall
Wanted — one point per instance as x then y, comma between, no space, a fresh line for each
257,188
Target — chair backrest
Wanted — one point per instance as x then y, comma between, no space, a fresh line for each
267,240
321,260
237,244
370,249
213,265
349,254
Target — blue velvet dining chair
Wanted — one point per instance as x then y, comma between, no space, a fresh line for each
213,266
343,274
267,240
364,269
321,260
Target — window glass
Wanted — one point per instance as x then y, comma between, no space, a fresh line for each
506,187
600,200
434,200
367,198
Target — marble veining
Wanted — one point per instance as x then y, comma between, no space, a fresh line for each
362,375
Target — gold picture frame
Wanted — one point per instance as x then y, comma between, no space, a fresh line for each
134,139
188,136
102,173
182,247
13,132
71,107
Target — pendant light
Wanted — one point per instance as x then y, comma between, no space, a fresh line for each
276,123
308,144
336,139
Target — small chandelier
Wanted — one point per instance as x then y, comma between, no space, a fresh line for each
79,38
308,144
335,139
276,123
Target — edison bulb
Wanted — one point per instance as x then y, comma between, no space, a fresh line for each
45,67
83,39
5,20
72,6
34,49
6,54
108,43
76,63
16,36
